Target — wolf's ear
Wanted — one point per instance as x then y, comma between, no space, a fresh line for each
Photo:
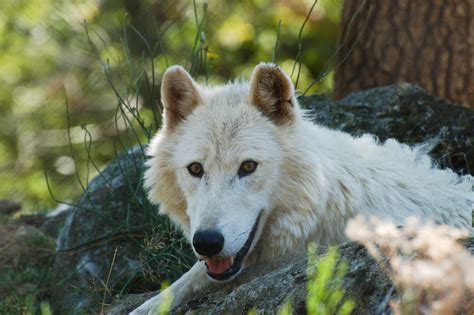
272,92
179,95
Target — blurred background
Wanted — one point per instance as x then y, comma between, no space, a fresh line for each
79,80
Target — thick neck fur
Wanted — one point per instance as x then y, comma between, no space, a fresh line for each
331,176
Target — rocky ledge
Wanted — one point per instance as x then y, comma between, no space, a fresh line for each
265,289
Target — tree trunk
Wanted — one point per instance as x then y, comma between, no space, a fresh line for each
429,43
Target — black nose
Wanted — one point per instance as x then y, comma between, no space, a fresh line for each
208,243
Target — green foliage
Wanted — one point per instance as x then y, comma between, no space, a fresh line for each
286,309
45,309
166,302
326,294
71,52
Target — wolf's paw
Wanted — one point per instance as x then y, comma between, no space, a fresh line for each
159,304
146,309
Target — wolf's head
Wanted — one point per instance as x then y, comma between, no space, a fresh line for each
215,162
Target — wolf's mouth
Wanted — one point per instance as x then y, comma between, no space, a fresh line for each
222,269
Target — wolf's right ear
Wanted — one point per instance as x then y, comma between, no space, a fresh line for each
179,95
273,93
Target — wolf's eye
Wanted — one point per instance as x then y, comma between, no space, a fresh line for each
247,168
195,169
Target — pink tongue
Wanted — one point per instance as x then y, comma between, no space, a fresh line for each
218,266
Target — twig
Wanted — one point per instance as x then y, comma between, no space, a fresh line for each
274,51
107,282
300,46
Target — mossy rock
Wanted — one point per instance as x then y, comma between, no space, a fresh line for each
114,242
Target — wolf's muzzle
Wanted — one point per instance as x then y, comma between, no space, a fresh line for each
236,261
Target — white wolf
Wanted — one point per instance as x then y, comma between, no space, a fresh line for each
249,180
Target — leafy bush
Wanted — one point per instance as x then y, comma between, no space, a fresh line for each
430,268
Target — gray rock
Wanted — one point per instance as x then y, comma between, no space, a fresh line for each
8,207
114,214
266,288
53,225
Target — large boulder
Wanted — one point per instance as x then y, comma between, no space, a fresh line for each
114,243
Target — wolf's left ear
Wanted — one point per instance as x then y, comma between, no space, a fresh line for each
179,94
272,92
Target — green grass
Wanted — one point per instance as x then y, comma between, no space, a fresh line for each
24,282
325,278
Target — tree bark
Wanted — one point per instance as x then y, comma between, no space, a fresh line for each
429,43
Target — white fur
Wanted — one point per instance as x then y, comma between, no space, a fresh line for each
310,181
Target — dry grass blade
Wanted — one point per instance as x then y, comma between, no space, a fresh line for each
106,289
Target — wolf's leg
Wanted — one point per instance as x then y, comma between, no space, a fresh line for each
192,281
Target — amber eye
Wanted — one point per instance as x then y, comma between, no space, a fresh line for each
247,168
195,169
